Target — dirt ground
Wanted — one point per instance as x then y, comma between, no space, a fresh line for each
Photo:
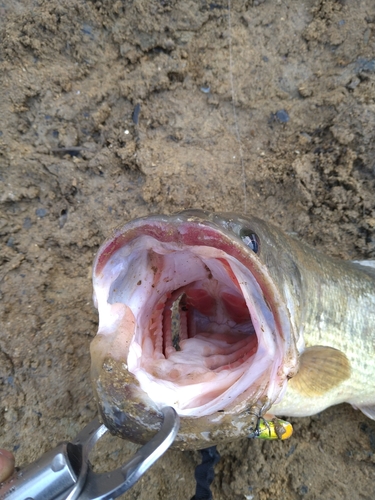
111,110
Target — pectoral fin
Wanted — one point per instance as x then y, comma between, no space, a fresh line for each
369,411
321,369
368,263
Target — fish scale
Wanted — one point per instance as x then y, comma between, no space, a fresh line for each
339,312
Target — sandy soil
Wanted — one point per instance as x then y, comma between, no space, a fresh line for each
115,109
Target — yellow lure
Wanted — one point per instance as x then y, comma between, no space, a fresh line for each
274,429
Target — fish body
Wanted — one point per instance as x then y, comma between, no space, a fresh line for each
268,325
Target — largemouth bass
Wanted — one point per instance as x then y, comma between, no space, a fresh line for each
226,318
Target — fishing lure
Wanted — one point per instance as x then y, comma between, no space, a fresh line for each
273,429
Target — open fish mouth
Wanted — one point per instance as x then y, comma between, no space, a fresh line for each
192,314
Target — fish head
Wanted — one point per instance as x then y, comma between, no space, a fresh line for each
225,357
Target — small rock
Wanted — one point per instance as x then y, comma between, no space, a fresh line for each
41,212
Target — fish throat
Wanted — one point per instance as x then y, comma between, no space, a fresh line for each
199,335
201,328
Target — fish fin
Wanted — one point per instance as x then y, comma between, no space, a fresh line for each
321,369
368,263
369,411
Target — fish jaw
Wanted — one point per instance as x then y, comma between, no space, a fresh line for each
237,346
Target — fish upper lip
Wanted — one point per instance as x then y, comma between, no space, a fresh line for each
194,229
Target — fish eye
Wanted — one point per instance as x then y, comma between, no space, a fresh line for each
250,239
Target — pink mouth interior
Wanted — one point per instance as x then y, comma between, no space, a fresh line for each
219,347
219,319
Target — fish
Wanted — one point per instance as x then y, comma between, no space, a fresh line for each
227,319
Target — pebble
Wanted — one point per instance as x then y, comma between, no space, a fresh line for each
41,212
282,116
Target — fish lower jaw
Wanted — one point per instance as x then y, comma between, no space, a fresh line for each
224,349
